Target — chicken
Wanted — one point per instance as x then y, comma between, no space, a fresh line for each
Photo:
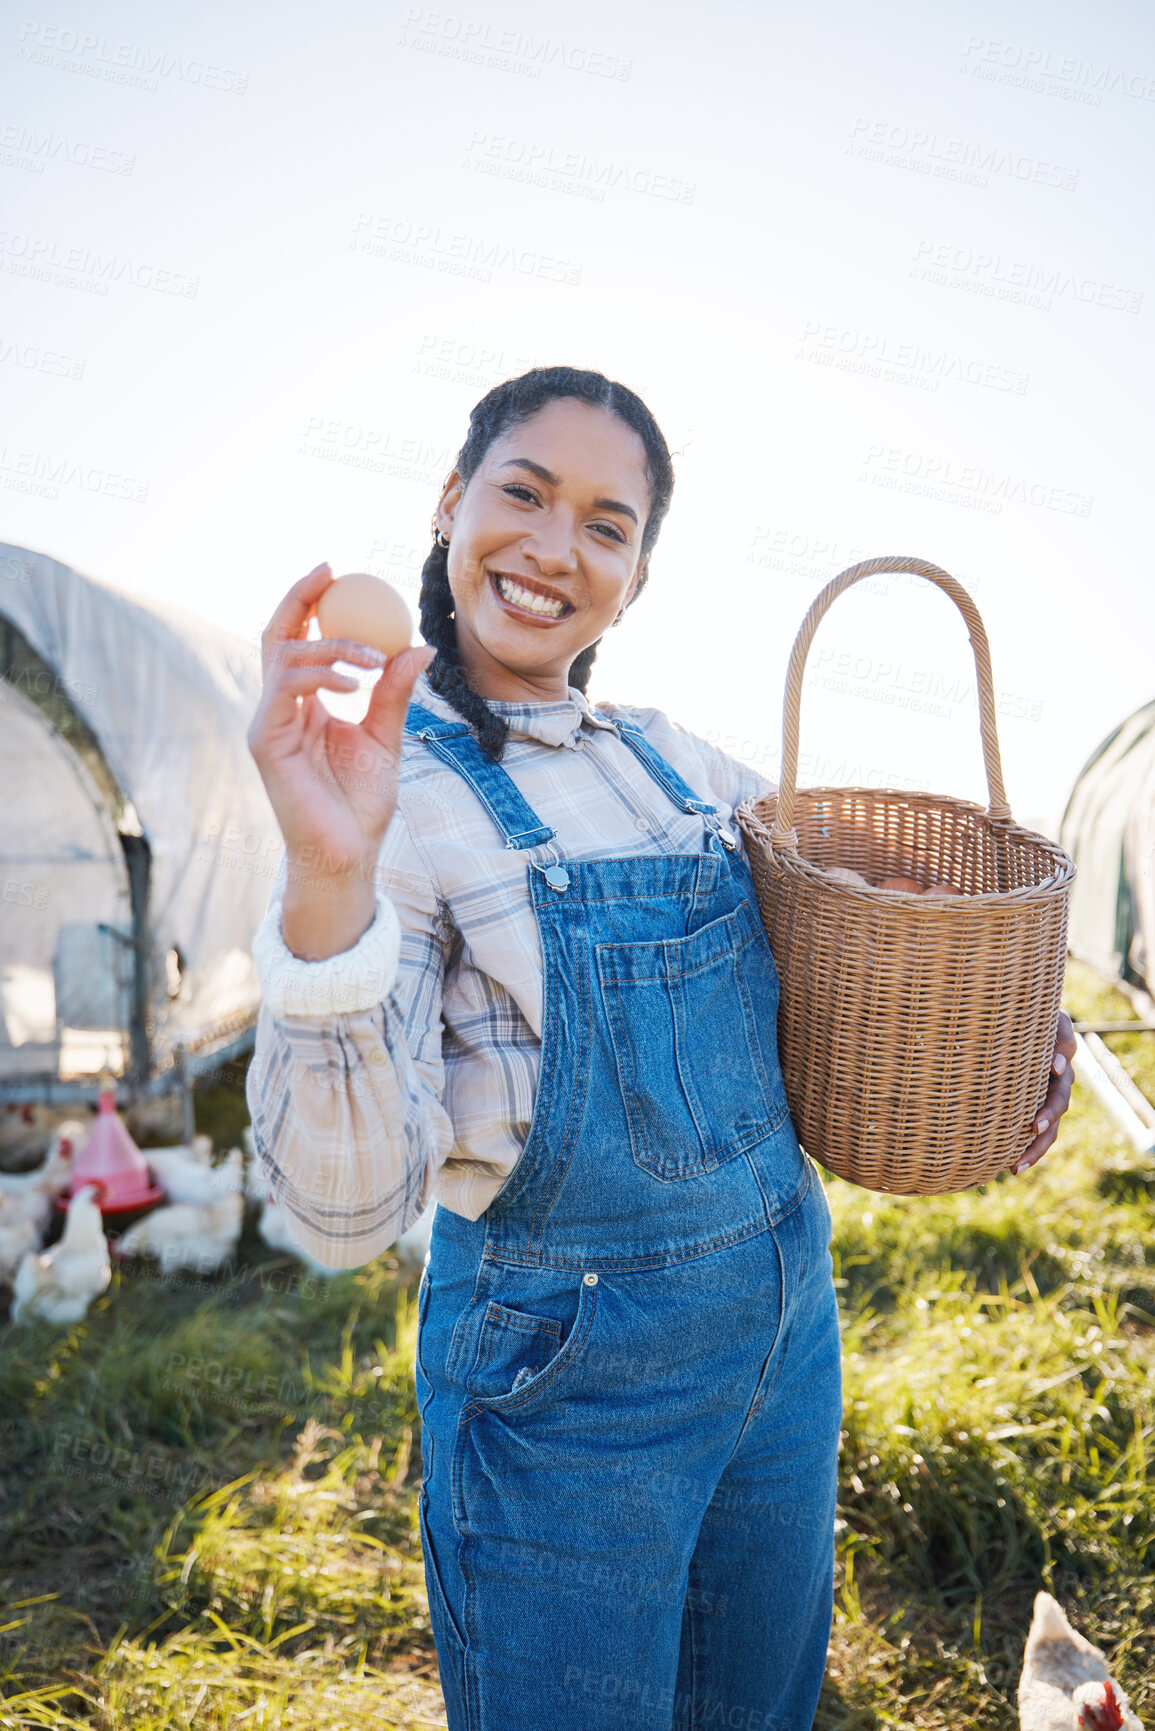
18,1235
413,1245
275,1229
256,1183
185,1176
200,1236
30,1129
29,1196
60,1283
1065,1684
55,1171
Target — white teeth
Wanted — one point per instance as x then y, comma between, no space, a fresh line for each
522,598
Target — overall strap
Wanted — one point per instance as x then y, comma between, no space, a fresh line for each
667,777
455,745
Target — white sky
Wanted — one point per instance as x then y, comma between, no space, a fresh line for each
783,221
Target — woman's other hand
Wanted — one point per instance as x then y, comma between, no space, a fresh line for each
1058,1095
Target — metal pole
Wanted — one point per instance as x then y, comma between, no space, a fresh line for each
188,1120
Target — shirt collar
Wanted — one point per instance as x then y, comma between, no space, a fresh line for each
558,723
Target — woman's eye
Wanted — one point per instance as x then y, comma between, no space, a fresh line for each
615,532
520,491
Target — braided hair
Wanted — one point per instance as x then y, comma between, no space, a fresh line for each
507,406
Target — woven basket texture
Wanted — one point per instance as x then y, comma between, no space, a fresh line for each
915,1034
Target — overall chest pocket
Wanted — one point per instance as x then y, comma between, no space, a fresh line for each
693,1023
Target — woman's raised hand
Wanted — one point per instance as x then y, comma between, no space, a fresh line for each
332,784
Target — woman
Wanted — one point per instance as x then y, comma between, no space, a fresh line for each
545,996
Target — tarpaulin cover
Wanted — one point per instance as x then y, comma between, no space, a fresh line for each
169,698
1109,830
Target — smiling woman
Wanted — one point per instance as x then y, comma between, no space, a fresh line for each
544,532
534,985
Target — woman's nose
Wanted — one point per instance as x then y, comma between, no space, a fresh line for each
553,545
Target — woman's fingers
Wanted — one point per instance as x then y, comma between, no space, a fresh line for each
290,618
1066,1045
391,695
278,706
312,651
1047,1120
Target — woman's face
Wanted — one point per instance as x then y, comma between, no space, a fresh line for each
553,514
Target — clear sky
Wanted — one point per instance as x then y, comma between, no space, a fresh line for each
884,274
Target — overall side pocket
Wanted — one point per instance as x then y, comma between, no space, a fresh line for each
522,1359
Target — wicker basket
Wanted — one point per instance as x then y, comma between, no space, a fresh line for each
915,1035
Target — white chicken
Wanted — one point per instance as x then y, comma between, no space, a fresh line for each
1065,1684
55,1170
413,1245
195,1235
59,1284
275,1228
29,1196
256,1183
18,1235
185,1176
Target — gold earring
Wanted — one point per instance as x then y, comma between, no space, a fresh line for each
441,540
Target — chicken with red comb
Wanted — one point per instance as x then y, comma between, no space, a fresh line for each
1099,1707
1065,1683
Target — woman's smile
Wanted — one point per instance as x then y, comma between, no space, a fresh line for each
529,599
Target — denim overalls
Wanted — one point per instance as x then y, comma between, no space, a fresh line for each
628,1367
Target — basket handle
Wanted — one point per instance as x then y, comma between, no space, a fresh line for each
783,834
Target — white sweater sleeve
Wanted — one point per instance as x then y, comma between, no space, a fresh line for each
345,1083
354,979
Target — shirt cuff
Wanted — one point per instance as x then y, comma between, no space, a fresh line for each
355,979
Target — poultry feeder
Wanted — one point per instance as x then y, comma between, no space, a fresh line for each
111,1159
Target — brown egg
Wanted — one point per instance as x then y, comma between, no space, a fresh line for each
900,886
942,890
368,610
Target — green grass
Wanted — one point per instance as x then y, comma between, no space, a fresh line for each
208,1495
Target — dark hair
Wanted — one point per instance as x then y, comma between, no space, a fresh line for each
506,406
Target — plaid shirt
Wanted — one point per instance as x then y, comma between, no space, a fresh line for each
405,1068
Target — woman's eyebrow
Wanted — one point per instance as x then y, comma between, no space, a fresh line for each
552,480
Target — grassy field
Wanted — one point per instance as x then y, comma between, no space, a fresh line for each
208,1491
